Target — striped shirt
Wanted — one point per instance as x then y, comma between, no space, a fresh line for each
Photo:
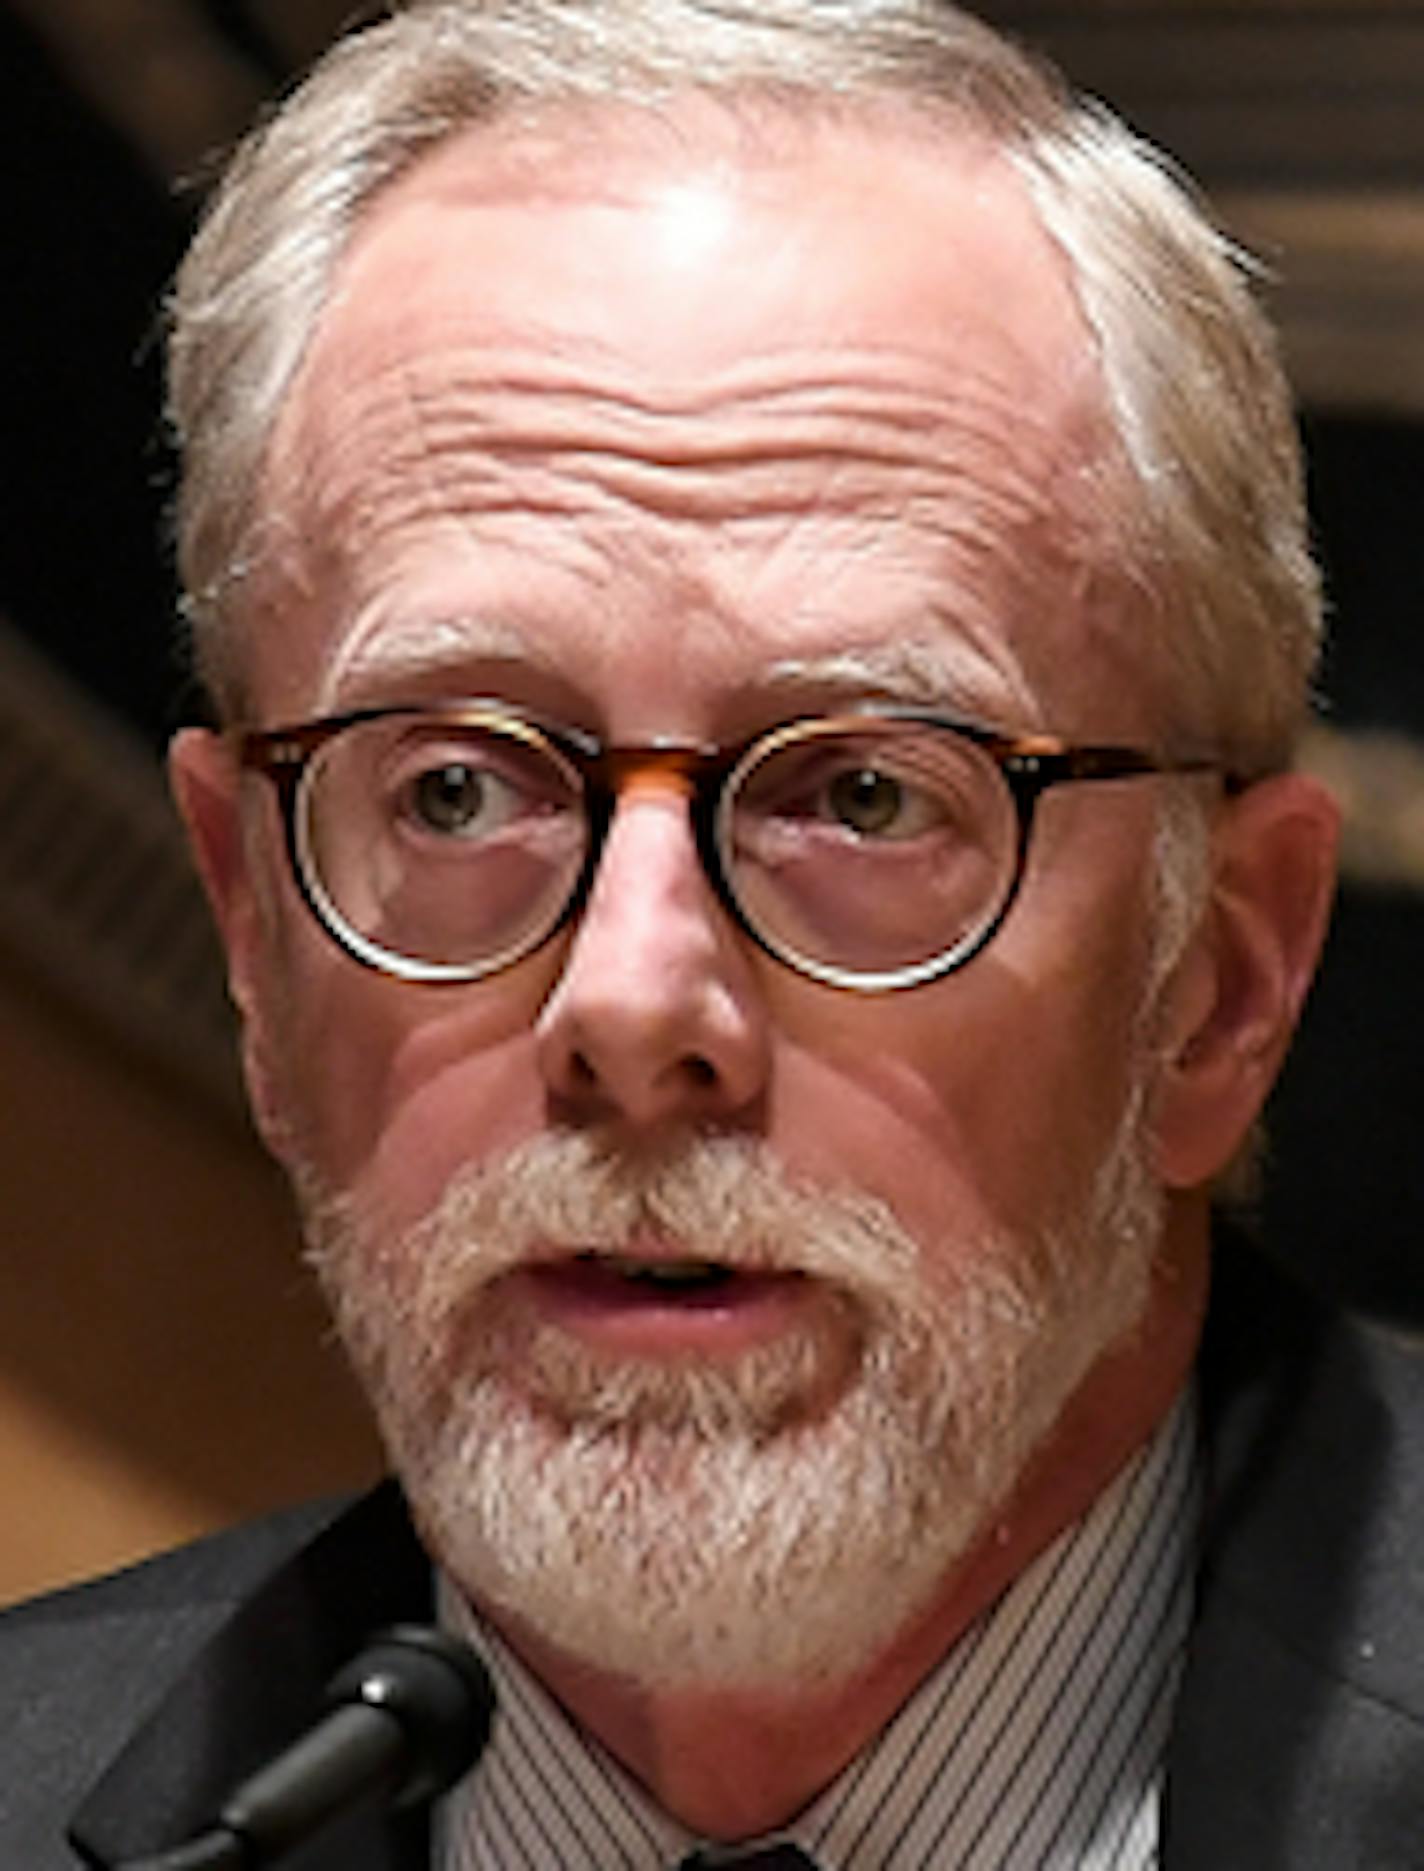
1036,1744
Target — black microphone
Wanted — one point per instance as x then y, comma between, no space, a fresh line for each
406,1718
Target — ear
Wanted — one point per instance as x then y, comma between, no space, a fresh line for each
206,785
205,782
1233,1001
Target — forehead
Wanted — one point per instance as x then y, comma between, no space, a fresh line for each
857,214
689,344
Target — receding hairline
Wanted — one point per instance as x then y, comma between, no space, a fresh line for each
1219,554
534,152
801,64
527,159
500,166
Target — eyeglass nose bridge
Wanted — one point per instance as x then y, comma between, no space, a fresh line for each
691,768
692,771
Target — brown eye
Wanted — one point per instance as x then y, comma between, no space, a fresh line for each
449,799
458,799
865,801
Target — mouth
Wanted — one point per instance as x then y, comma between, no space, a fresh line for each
654,1302
655,1278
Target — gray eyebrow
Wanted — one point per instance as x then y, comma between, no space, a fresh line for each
396,652
946,671
937,673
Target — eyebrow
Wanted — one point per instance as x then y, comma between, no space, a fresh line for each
420,657
416,655
933,674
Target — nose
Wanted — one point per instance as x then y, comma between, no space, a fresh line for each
657,1017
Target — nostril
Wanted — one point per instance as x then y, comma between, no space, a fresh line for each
581,1071
701,1071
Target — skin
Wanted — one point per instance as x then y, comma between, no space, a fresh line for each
644,429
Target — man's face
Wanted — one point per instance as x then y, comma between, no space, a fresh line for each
682,433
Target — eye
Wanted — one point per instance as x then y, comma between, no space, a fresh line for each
872,788
865,800
874,803
460,792
458,800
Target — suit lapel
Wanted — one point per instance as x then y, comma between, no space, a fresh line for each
1299,1732
255,1684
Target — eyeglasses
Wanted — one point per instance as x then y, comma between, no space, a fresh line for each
869,850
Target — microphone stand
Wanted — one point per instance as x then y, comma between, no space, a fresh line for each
406,1718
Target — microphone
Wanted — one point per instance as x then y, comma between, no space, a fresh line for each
406,1718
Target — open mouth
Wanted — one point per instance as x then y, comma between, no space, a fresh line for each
668,1280
667,1276
609,1284
656,1303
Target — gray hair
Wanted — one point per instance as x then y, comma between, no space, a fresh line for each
1213,532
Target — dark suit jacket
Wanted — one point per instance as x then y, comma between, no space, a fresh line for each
128,1707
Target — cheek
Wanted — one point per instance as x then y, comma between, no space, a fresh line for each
388,1087
471,1103
974,1106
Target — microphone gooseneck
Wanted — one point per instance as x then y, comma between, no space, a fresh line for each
406,1718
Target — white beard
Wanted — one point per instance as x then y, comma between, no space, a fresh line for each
771,1520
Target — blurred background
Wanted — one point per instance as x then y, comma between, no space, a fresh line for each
163,1366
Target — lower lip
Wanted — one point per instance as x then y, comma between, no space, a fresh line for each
641,1318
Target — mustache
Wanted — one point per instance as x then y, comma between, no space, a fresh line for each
718,1198
715,1198
425,1315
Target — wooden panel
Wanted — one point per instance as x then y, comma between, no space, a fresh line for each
162,1361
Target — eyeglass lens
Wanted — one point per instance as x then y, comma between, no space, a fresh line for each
864,848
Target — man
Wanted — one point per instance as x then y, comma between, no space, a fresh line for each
751,563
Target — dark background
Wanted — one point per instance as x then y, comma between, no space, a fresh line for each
90,234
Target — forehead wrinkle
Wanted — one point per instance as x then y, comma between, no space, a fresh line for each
952,481
878,408
813,422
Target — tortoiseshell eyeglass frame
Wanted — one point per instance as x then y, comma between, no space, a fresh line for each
707,775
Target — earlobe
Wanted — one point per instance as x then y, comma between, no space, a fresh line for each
1236,995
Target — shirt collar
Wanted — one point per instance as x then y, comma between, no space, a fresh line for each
1037,1740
